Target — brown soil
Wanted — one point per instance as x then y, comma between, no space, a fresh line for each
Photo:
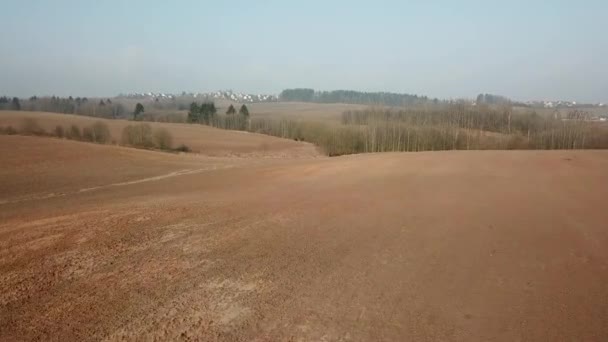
107,243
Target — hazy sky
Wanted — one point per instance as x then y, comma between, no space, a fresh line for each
521,49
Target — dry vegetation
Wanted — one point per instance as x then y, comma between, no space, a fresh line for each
186,137
139,135
446,127
339,129
348,129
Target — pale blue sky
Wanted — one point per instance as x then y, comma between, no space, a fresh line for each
521,49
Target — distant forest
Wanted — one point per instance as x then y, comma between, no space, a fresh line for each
115,108
493,99
104,108
353,97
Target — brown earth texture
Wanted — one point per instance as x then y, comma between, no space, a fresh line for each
106,243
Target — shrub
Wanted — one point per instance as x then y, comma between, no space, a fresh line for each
138,136
87,134
101,132
183,148
59,132
10,130
163,139
30,126
74,133
139,108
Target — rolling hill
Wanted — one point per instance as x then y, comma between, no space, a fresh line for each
109,243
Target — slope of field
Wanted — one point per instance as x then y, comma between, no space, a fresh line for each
37,167
327,112
201,139
438,246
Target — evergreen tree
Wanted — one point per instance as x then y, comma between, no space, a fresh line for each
207,112
231,110
139,108
193,114
244,111
16,104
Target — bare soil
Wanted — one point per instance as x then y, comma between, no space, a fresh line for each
108,243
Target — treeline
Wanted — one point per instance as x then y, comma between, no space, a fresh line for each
98,132
492,99
206,113
423,128
140,135
440,126
143,136
10,104
467,127
103,108
446,127
353,97
485,118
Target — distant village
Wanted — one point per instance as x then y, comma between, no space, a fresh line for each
216,95
255,98
561,104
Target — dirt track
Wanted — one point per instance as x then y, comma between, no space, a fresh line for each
443,246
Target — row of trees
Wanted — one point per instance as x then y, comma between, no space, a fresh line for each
103,108
500,119
140,135
492,99
206,114
380,98
98,132
354,97
444,127
242,111
10,104
143,136
483,127
203,113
